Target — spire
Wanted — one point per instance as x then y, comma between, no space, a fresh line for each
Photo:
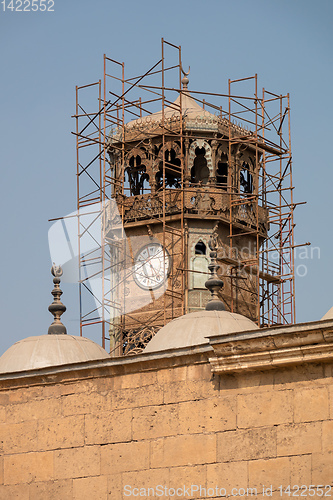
57,308
185,80
214,283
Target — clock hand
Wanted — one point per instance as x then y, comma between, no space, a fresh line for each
144,267
152,268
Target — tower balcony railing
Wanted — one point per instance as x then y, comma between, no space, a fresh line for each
202,200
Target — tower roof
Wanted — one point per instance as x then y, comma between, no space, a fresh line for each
192,113
195,118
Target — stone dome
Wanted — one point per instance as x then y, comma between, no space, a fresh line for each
193,329
194,116
191,109
49,350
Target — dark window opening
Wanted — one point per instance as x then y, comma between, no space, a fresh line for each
200,248
200,171
137,177
222,174
246,179
172,171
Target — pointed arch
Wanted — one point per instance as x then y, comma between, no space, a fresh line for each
171,153
195,150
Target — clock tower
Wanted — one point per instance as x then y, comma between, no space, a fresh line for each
160,170
179,179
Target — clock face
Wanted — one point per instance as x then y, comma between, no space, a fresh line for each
151,266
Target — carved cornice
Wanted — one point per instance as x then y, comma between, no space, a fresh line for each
270,348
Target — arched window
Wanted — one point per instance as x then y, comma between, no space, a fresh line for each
222,172
137,177
200,248
200,265
172,170
245,179
200,170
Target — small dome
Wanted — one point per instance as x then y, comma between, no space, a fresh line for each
49,350
193,329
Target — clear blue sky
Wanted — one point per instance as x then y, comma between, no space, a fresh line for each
288,43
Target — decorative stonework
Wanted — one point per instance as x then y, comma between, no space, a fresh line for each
270,348
200,143
203,202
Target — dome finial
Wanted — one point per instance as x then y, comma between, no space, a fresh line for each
214,283
185,80
57,308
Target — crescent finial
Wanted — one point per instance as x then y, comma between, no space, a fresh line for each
185,80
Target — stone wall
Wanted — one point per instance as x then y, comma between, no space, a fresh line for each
87,431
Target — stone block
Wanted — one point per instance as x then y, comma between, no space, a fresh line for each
2,414
322,467
169,375
14,492
327,436
328,370
156,421
246,444
85,385
255,381
260,409
28,467
183,450
115,487
52,490
273,472
138,483
211,415
33,410
108,427
243,383
4,398
300,469
77,462
88,488
18,438
122,457
65,432
103,385
300,376
200,371
132,380
22,395
227,475
331,399
311,404
81,403
193,389
140,396
188,476
298,439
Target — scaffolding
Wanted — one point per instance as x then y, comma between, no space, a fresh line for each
272,270
260,207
